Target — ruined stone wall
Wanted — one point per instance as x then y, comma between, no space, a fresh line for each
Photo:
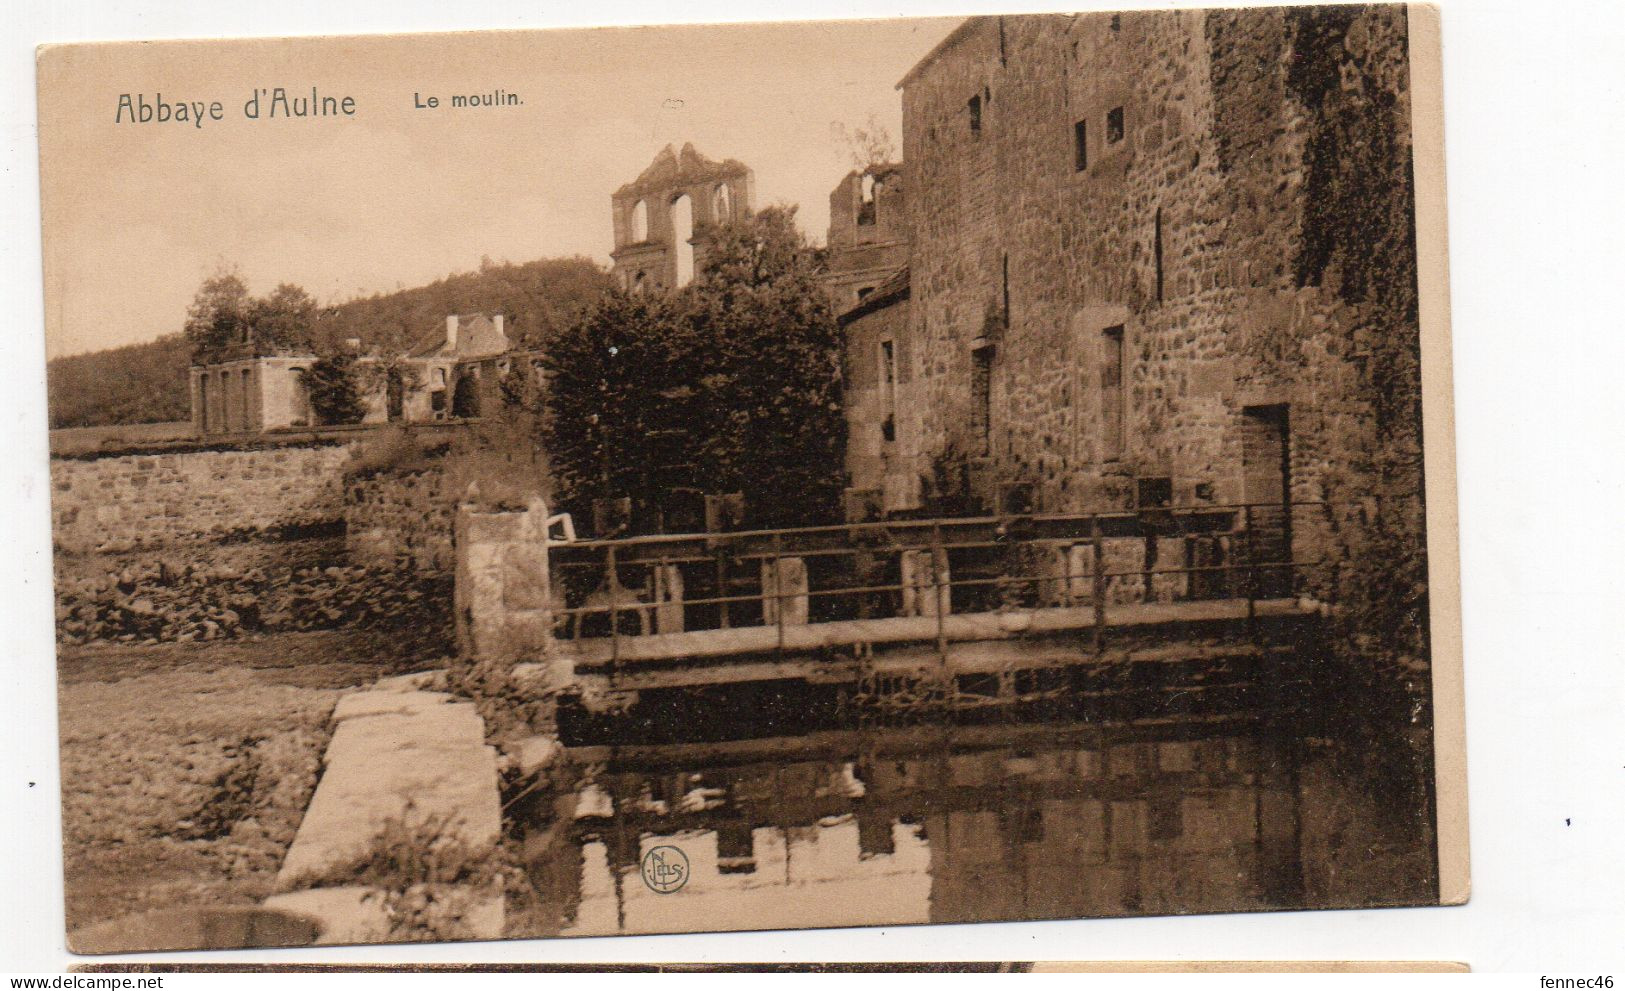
125,502
868,241
1237,129
401,516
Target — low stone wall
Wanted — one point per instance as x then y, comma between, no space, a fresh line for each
402,516
146,501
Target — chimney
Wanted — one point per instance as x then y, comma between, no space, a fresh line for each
452,322
496,322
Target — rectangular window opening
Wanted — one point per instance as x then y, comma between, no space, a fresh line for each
1156,251
888,390
1080,146
981,384
1111,393
1153,493
1005,261
975,107
1114,125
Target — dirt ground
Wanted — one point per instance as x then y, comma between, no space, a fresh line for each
186,767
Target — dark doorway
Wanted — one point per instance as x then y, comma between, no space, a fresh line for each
1266,456
465,397
395,394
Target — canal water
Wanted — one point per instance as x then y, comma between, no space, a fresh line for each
1004,818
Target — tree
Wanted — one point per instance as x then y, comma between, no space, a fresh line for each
218,316
335,389
284,319
865,146
771,381
609,402
730,384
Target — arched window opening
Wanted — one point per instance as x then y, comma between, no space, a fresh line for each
300,407
722,205
682,222
437,395
640,222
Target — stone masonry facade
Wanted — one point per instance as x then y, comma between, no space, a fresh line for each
402,516
154,500
1128,270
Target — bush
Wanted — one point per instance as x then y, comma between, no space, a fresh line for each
335,390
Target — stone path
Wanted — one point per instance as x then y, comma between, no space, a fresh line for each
401,754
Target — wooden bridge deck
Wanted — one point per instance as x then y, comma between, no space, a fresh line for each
976,641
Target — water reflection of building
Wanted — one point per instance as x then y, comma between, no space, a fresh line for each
929,826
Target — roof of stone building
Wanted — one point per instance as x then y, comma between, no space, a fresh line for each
894,290
958,34
477,337
681,168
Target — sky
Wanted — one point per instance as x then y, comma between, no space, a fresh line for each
136,215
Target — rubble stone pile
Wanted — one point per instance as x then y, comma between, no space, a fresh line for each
179,602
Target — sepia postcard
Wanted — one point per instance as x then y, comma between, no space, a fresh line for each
758,476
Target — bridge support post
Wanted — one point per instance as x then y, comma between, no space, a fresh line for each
668,598
786,588
926,582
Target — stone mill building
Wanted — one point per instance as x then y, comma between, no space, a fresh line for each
1152,258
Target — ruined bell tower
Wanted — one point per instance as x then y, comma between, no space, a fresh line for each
662,217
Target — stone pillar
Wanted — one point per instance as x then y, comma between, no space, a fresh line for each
1080,571
502,596
200,424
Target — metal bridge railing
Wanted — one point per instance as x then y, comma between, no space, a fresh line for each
640,586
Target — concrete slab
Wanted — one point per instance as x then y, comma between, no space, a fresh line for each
372,703
414,682
413,757
341,915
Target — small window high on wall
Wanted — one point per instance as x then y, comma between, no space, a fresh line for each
975,107
1080,146
1114,125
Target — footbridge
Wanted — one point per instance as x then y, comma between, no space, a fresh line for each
983,609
